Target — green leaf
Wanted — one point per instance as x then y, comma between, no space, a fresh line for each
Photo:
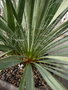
4,10
3,38
23,80
58,43
28,17
60,58
4,26
56,63
9,62
56,21
10,16
60,74
27,80
21,10
14,13
5,48
54,59
61,52
62,7
51,10
58,68
51,81
44,42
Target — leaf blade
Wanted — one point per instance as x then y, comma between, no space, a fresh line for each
9,61
49,78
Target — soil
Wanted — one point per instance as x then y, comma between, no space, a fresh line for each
13,76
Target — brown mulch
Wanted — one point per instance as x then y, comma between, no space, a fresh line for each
12,75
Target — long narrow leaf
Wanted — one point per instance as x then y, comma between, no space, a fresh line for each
49,78
10,15
21,10
9,61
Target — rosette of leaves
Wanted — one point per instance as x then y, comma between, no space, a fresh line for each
31,34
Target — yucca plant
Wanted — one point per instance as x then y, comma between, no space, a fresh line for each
30,34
